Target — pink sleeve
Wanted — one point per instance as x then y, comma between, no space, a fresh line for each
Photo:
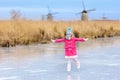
80,39
59,40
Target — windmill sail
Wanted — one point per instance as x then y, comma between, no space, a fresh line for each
49,11
83,5
91,10
54,13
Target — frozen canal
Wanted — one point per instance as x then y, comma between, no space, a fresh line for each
100,60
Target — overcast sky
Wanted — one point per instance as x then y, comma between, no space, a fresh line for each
66,8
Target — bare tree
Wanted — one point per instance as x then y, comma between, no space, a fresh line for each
43,17
15,15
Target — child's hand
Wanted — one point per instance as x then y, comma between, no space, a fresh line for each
86,39
52,40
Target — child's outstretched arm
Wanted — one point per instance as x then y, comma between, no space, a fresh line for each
58,40
53,41
81,39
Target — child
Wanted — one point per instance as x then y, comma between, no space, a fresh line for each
70,47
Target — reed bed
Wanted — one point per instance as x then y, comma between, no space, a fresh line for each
26,32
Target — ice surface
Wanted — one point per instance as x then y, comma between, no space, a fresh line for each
100,60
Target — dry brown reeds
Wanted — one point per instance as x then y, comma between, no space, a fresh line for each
14,32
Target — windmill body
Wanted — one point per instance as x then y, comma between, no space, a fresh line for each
49,17
84,16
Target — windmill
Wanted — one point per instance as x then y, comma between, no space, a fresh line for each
50,15
84,13
104,17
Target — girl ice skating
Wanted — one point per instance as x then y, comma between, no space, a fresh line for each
70,47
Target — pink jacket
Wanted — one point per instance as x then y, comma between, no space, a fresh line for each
70,46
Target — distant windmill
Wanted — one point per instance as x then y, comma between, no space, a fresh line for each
84,13
104,17
50,15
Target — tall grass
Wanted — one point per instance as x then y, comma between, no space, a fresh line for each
14,32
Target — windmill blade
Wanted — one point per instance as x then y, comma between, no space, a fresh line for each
78,13
104,18
83,5
46,15
91,10
49,11
54,13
